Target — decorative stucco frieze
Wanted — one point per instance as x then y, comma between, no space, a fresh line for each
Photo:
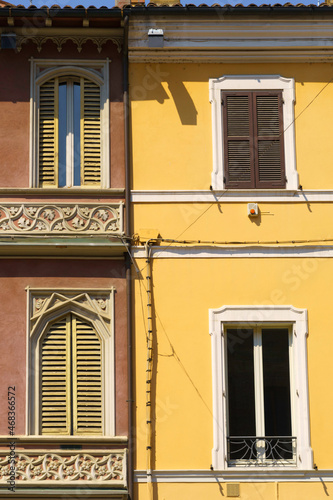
94,304
61,218
59,41
49,467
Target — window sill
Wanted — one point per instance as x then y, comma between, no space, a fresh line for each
234,474
231,196
61,439
82,191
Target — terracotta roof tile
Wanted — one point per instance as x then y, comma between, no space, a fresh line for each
6,4
239,6
152,5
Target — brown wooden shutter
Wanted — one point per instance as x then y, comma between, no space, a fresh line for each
268,124
90,133
238,139
253,140
48,134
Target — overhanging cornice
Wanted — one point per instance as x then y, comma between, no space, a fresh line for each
233,39
31,247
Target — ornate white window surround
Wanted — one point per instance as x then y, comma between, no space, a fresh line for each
253,82
93,305
97,72
261,316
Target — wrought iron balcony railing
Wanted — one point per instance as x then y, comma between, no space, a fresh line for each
261,451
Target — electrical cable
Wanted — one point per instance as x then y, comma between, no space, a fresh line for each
225,191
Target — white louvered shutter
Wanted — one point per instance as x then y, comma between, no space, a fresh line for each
48,134
90,133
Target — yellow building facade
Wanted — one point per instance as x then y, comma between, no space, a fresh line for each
232,196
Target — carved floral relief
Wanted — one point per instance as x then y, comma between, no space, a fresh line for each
54,467
62,219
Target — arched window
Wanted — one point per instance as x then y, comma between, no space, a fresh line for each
71,363
70,127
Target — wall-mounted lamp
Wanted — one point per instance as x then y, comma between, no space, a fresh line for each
155,38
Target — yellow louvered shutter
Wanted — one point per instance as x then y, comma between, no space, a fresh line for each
71,378
90,133
48,133
55,379
87,390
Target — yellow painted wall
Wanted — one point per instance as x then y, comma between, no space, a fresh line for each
172,150
184,291
248,491
230,222
171,122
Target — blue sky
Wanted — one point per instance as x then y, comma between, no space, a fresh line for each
110,3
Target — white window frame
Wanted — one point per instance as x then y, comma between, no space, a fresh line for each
96,71
60,303
253,82
70,133
252,317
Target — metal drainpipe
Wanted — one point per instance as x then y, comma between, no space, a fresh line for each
149,373
128,261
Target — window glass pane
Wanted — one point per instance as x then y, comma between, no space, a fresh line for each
275,346
77,146
62,134
241,403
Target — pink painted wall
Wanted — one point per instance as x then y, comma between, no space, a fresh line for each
15,276
15,108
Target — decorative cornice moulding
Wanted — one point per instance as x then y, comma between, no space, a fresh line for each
229,251
59,41
212,40
61,219
59,36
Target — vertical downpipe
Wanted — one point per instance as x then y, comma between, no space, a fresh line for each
149,372
128,261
